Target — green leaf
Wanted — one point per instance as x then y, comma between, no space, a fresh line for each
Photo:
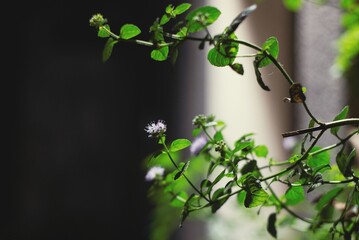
179,200
107,51
318,160
328,197
293,5
271,225
129,31
201,18
271,46
104,31
179,144
344,162
342,115
218,203
160,54
182,8
238,68
294,195
261,151
182,32
241,145
223,54
241,196
164,19
255,196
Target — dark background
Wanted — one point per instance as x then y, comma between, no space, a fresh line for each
76,125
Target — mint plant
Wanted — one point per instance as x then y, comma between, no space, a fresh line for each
232,170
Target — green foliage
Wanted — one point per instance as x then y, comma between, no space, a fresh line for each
202,17
214,170
270,47
293,5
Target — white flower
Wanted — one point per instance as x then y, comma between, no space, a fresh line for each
154,172
197,144
156,129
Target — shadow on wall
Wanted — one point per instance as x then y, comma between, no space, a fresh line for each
77,139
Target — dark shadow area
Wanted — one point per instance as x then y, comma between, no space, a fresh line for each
77,140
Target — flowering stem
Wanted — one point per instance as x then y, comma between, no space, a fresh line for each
184,175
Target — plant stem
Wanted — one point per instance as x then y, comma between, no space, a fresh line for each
323,126
184,175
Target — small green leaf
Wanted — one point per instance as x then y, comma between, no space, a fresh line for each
271,46
238,68
160,54
129,31
104,31
182,32
318,160
201,18
182,8
293,5
179,144
217,200
255,196
241,145
294,195
164,19
179,200
271,225
328,197
261,151
223,54
342,115
107,51
241,197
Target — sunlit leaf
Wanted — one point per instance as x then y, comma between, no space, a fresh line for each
182,8
255,196
224,53
318,160
179,144
202,17
293,5
179,200
261,151
128,31
294,195
160,54
104,31
271,46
